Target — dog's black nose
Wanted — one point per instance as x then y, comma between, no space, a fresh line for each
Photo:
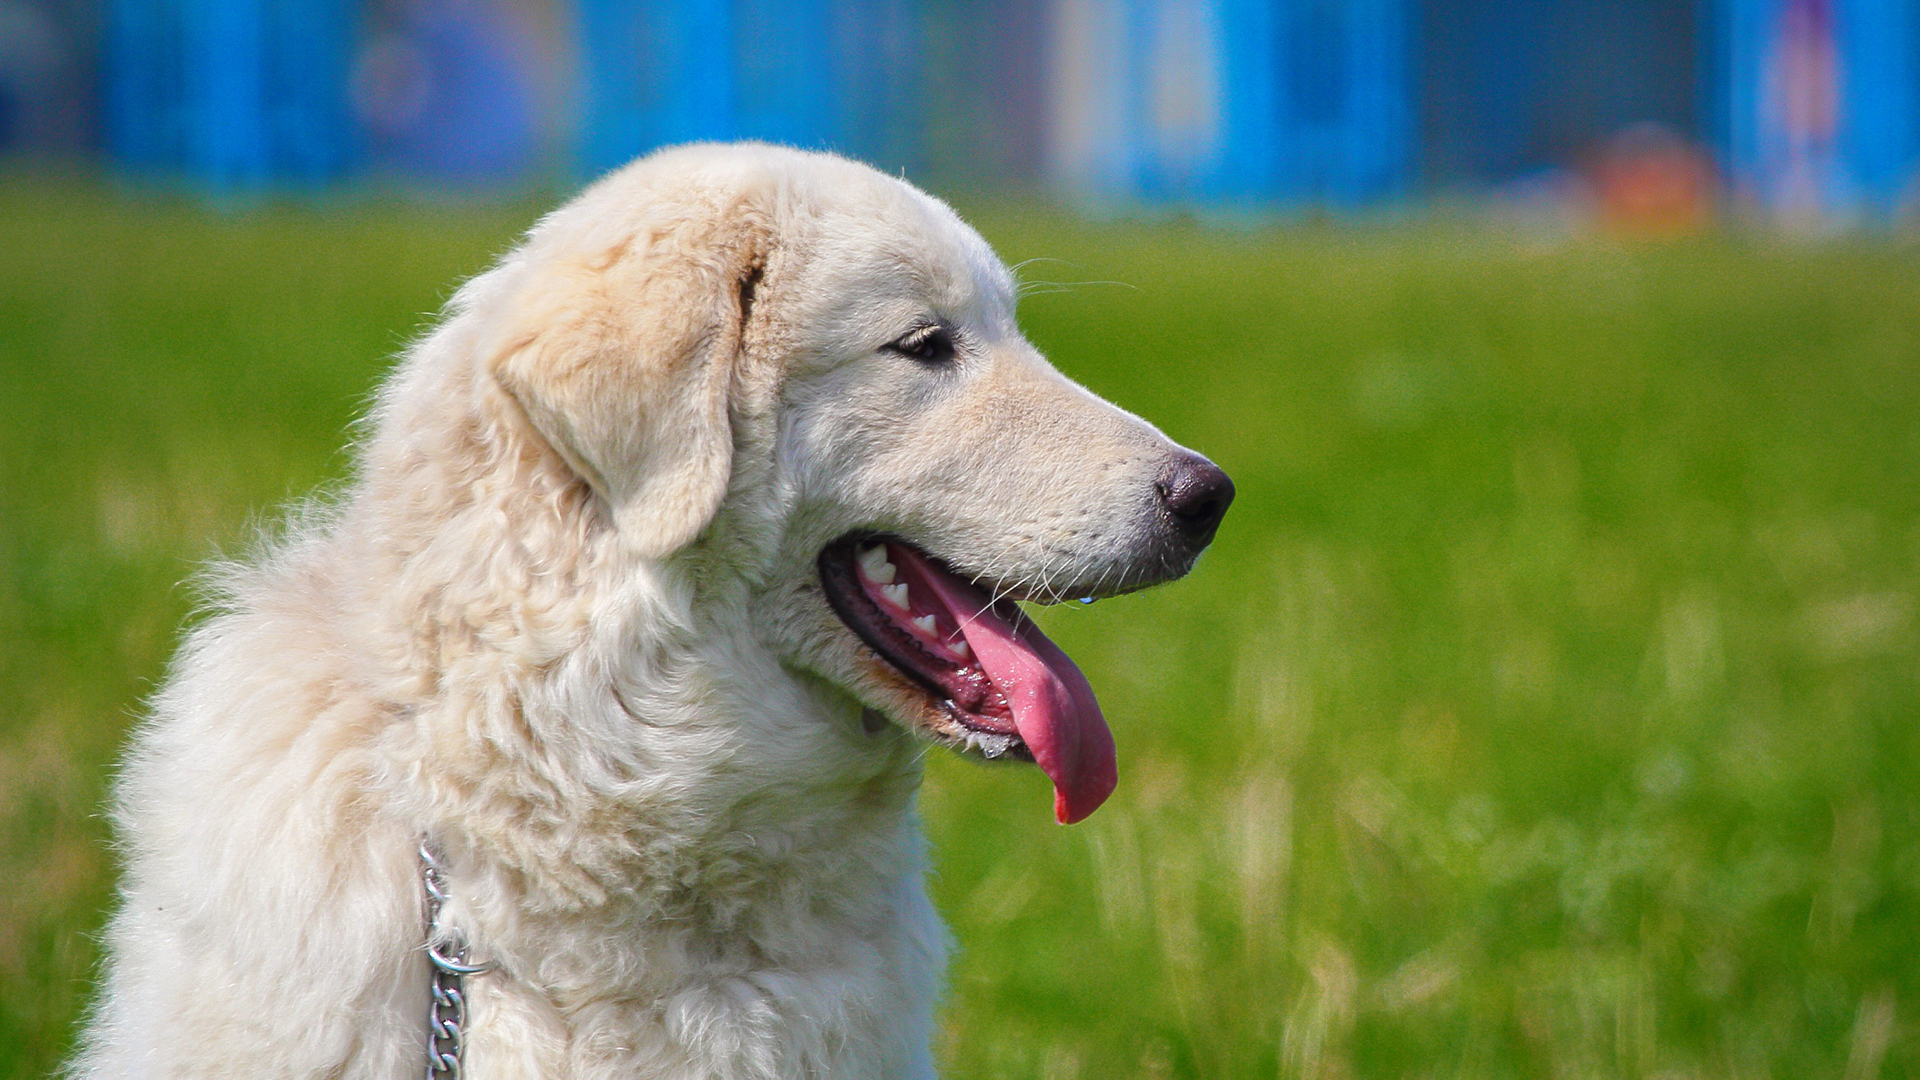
1197,494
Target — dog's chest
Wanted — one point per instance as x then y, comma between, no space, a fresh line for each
774,956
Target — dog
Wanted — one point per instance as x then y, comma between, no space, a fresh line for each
667,552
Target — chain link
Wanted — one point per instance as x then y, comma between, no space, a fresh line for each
447,952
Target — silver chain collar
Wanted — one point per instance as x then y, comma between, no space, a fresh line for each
447,952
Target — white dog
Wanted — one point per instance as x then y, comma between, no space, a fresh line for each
668,550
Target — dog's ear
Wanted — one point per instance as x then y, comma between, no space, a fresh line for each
622,358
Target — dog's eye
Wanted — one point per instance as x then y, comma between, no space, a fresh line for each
927,344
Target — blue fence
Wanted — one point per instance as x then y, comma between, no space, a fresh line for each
1818,105
1235,102
803,72
232,94
1808,106
1246,101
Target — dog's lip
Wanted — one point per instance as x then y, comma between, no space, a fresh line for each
958,687
1006,684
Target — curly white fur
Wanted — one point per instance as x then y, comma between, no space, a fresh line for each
565,622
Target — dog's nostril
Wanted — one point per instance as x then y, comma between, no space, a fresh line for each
1197,494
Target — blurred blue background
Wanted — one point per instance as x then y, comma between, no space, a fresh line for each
1656,114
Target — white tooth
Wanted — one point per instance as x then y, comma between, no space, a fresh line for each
874,564
960,648
924,622
895,594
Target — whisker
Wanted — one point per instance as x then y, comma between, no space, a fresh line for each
1039,288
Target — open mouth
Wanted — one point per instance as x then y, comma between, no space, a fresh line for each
1007,688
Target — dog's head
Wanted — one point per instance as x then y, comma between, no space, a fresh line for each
810,373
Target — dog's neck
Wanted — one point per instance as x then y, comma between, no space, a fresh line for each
715,838
635,699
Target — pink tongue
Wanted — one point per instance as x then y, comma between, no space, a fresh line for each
1053,707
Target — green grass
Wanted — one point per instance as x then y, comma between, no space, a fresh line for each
1549,706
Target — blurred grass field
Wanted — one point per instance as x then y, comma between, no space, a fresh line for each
1548,706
